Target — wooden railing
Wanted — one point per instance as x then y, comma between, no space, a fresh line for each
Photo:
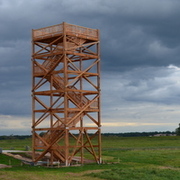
38,33
69,28
79,30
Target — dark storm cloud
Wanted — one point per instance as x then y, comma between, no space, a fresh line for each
139,40
130,30
142,34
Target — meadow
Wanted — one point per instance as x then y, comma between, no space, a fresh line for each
124,158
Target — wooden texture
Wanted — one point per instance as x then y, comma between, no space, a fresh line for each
66,93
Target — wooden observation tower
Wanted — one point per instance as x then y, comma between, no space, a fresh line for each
66,125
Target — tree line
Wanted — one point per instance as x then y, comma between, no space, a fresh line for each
15,137
126,134
141,134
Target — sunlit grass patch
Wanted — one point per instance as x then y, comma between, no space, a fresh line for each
137,174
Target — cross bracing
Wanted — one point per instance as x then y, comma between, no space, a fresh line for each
66,93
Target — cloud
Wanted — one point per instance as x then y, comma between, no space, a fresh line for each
171,66
15,125
142,97
140,53
125,124
150,84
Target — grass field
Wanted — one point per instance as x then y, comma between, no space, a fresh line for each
131,158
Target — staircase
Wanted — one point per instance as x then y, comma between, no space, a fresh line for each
58,83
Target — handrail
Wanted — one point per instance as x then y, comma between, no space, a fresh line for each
58,29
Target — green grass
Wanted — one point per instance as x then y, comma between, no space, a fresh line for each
9,160
17,144
141,142
125,158
144,158
135,173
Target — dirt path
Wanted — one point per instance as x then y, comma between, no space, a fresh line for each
4,166
17,156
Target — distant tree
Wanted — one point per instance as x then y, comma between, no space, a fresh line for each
178,130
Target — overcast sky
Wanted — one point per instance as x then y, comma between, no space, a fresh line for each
140,57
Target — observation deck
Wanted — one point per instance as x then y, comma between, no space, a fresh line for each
43,34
